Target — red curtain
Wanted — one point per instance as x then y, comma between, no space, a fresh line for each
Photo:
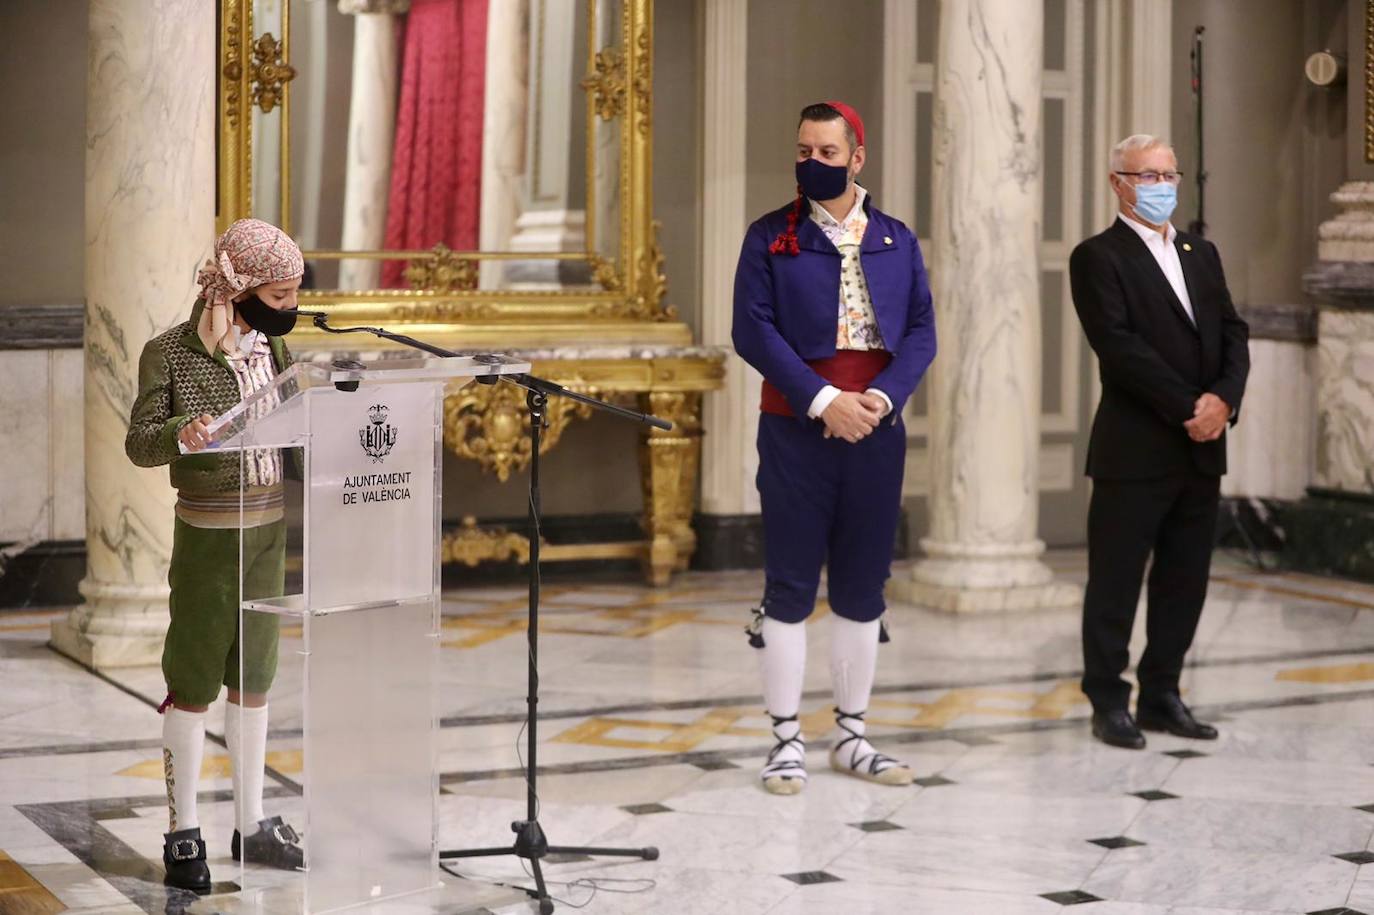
436,168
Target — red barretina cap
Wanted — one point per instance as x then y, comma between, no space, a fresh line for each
852,117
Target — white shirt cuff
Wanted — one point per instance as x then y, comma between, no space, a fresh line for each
823,399
887,400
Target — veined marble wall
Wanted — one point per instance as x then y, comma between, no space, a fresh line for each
1345,401
371,135
41,433
554,214
1344,280
504,111
150,185
1270,451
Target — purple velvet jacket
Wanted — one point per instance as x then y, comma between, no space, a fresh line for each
787,308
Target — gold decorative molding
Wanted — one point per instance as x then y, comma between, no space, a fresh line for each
652,285
605,273
442,271
606,83
643,85
233,71
1369,81
669,463
471,544
442,312
270,72
489,424
234,140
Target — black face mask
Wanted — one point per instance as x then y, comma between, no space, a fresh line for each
820,181
258,315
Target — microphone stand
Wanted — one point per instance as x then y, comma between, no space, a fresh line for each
530,841
1199,226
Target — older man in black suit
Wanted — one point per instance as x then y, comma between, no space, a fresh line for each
1174,358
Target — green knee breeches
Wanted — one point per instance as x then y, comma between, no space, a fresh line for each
205,647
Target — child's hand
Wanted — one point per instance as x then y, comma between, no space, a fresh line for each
194,435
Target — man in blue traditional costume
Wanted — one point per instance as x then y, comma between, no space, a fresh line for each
833,308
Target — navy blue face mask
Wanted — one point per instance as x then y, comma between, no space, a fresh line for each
820,181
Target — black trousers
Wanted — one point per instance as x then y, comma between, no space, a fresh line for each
1173,518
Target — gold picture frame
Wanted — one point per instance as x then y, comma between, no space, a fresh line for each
625,302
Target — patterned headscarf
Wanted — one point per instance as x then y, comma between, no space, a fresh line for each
249,254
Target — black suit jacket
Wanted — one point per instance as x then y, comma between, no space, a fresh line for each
1154,362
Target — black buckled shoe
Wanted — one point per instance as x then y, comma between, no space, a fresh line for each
1168,713
275,844
183,857
1116,729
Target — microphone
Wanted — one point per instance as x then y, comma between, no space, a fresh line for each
529,382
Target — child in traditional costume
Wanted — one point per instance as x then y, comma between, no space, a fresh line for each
229,349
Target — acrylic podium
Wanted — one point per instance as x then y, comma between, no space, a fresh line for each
339,625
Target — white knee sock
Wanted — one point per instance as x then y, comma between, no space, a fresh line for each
784,668
183,750
245,734
853,662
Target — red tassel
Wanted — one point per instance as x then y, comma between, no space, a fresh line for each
166,703
786,242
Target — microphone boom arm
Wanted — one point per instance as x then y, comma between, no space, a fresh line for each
522,379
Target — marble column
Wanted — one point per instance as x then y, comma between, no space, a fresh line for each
266,136
1332,530
730,456
504,110
371,134
1151,66
982,553
553,215
150,214
1344,280
603,209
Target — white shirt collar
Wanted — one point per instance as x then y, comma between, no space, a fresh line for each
1147,234
822,215
248,342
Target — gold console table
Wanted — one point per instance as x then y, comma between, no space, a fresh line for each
488,425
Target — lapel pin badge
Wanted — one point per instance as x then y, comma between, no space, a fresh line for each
1187,246
887,239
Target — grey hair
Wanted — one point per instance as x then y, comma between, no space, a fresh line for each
1133,143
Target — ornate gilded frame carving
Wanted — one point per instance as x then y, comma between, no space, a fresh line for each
629,303
1369,81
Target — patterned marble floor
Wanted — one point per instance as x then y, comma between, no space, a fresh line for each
652,730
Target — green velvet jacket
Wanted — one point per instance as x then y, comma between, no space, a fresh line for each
178,381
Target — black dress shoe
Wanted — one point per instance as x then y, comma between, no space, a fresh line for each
1116,729
1168,713
274,844
183,857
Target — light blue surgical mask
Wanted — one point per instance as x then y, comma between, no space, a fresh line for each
1155,202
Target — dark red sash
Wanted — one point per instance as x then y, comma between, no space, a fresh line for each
848,370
